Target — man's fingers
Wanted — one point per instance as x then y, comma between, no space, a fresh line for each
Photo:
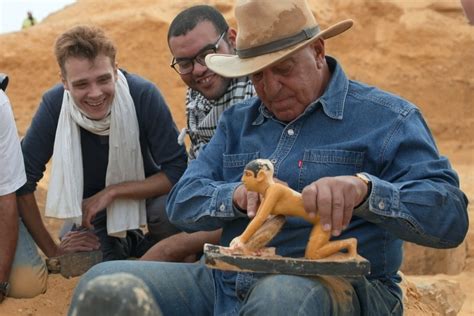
84,218
337,211
348,209
85,240
333,199
87,220
309,195
239,197
252,203
324,206
79,248
69,248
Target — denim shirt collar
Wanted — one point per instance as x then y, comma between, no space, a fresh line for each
332,101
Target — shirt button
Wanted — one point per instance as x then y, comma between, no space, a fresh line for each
273,161
291,132
222,207
381,205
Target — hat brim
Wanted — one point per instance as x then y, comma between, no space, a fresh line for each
232,66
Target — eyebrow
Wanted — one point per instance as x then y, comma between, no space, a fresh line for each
105,76
80,81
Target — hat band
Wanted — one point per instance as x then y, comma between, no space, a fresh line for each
278,44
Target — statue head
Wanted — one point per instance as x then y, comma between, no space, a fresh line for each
258,174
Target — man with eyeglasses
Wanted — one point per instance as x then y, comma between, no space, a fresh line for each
363,159
193,34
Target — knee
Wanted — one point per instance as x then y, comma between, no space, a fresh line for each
27,281
99,269
29,274
287,295
158,222
115,294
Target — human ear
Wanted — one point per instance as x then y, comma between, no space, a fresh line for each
64,82
116,71
318,49
231,36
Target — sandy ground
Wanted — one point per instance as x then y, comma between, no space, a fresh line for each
422,50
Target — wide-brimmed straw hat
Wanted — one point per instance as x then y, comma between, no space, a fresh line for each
267,32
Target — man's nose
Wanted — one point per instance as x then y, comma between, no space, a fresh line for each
198,68
95,91
271,84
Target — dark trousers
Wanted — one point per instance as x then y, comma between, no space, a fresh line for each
136,243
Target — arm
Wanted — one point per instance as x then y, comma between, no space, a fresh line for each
264,210
319,199
8,234
203,198
72,242
181,247
416,194
37,148
155,185
29,211
12,176
158,140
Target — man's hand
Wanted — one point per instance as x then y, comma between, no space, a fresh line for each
75,241
334,199
246,200
94,204
181,247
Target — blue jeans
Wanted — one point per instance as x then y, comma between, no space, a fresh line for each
189,289
29,273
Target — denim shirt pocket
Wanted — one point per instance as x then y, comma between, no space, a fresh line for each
234,163
319,163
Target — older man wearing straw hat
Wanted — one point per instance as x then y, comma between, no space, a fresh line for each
364,160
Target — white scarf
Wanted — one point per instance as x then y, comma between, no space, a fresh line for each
66,182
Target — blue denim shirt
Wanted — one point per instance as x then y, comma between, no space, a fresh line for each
351,128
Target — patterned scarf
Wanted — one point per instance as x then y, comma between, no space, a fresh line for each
203,114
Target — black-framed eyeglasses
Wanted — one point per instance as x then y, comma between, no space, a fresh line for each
185,66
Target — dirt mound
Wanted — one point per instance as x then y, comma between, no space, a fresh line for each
423,51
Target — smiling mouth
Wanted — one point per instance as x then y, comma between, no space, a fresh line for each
205,80
95,104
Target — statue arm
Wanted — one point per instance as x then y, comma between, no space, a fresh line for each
263,212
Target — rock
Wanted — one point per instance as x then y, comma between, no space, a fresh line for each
430,296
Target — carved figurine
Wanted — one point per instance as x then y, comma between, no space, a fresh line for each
279,199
